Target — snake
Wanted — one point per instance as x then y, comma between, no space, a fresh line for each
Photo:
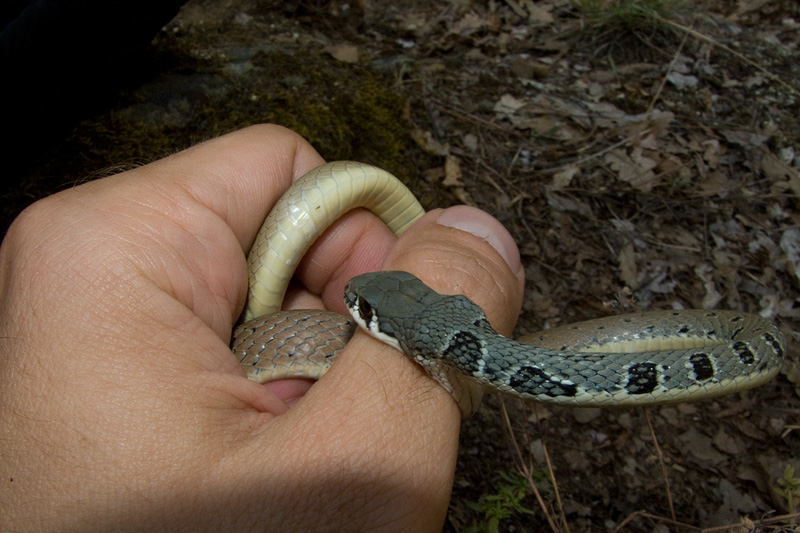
634,359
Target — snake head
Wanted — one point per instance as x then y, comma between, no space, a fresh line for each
378,299
397,308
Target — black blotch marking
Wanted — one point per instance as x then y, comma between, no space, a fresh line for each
743,351
462,349
533,380
702,366
772,341
642,378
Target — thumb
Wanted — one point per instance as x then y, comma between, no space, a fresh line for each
463,250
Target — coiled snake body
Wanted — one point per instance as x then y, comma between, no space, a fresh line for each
637,359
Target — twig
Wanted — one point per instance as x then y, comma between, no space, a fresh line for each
526,471
774,521
555,488
595,155
661,464
645,514
709,40
451,110
666,76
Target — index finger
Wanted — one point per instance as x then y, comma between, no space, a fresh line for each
227,184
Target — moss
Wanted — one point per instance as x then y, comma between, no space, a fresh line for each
347,111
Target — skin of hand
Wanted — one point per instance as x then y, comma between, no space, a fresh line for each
121,405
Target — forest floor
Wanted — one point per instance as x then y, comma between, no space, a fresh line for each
644,155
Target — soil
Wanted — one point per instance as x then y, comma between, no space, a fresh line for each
641,162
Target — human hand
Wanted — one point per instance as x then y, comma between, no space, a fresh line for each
121,406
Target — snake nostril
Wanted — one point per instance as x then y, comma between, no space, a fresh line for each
350,299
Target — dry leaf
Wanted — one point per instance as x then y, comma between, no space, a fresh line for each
712,152
747,6
544,125
746,139
562,203
347,53
452,171
790,244
682,81
469,23
471,142
563,178
777,171
793,375
539,14
628,272
635,168
712,183
536,14
508,104
516,8
426,141
712,297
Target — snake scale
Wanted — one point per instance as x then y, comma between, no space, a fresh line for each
635,359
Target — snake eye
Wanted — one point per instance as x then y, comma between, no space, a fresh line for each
364,310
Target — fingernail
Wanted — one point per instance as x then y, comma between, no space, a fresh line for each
485,226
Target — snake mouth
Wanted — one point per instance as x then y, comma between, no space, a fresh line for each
363,311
